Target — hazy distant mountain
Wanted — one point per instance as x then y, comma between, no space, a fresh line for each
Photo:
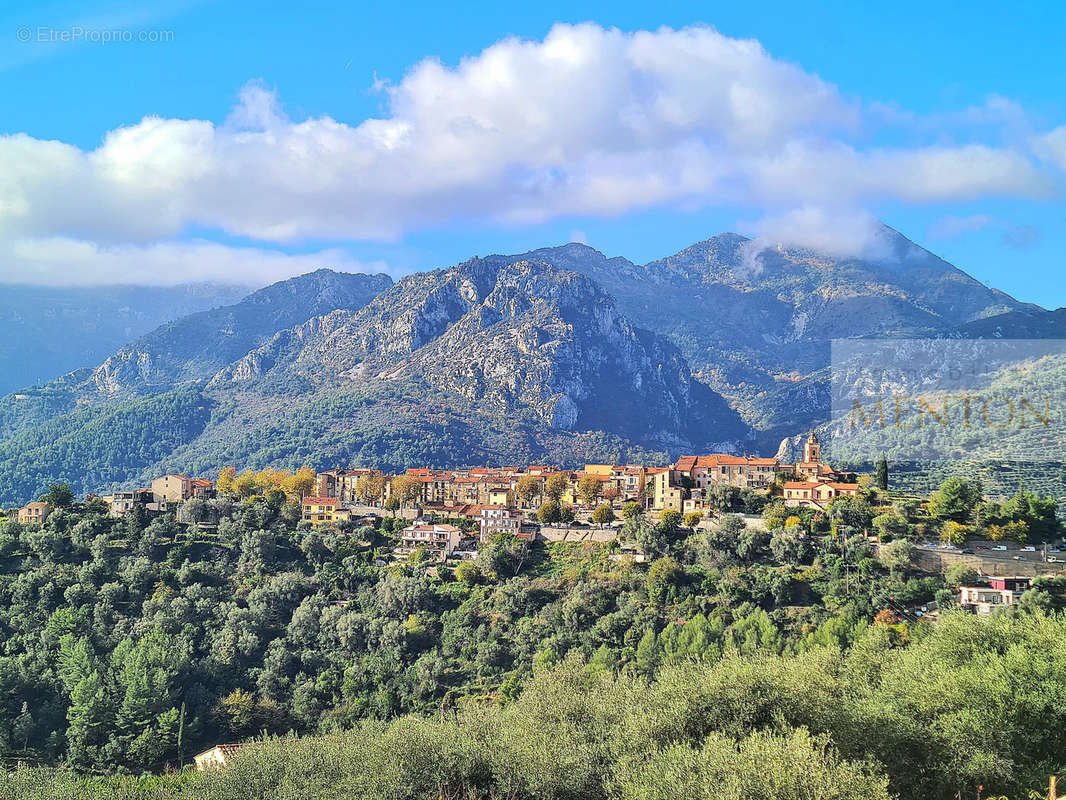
1017,325
194,347
47,331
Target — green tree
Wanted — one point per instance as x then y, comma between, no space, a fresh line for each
529,487
664,574
406,488
956,499
961,574
897,554
369,488
549,512
59,495
589,489
890,526
556,484
881,473
647,654
851,511
603,515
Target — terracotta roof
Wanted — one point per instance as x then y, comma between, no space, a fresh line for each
321,501
802,484
688,463
469,510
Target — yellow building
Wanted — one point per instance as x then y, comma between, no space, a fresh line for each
324,510
34,513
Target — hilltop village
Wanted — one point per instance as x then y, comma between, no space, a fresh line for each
509,499
447,515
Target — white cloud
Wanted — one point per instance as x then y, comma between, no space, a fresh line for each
1018,236
951,226
837,232
1052,146
588,121
72,262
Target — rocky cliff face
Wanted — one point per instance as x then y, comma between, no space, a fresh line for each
524,337
561,355
197,346
756,323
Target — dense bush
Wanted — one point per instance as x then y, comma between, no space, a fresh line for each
970,701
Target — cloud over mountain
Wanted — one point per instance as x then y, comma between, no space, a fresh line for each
588,121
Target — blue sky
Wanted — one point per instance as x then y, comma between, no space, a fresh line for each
971,99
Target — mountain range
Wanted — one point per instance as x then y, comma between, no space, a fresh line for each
559,354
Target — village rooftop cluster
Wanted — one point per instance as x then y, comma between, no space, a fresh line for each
451,513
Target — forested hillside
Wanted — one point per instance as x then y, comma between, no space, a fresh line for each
100,448
738,663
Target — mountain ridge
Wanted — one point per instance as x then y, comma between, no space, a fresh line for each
537,356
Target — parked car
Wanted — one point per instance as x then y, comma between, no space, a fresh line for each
1029,549
983,547
1000,547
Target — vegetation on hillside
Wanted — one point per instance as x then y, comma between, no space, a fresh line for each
133,642
99,448
916,712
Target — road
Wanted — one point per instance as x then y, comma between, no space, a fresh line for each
989,562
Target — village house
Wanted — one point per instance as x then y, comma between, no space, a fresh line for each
816,494
341,483
122,502
999,593
744,472
441,539
218,757
34,513
179,488
667,492
495,520
621,483
321,510
631,483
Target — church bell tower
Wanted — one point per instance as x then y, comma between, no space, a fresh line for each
812,450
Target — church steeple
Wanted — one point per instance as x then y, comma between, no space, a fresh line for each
812,450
